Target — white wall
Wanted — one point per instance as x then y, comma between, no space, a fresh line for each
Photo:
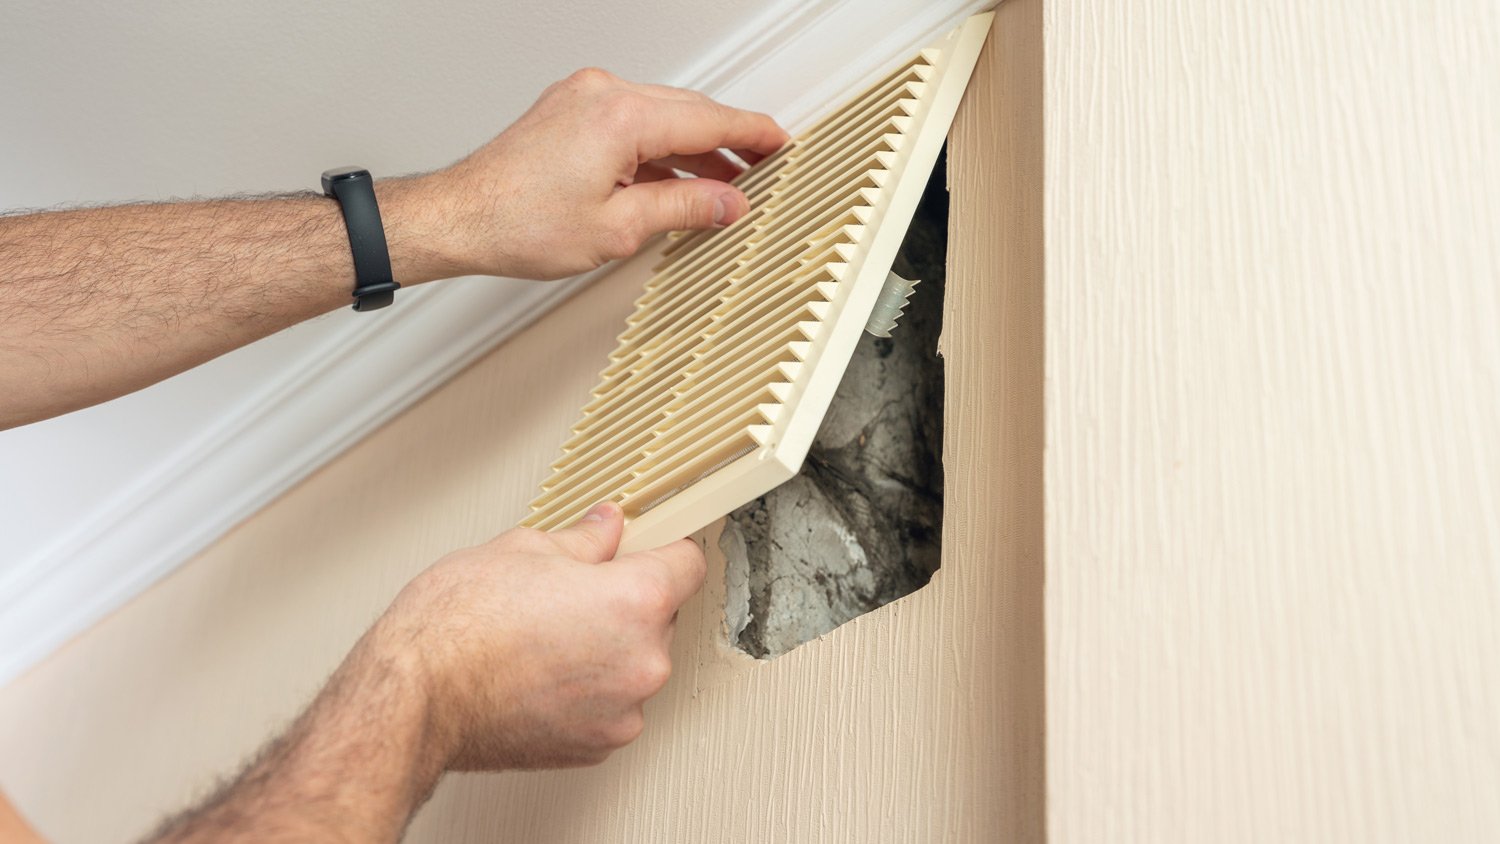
1273,431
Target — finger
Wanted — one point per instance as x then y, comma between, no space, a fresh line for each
750,156
707,165
679,569
681,127
595,537
676,204
651,172
666,92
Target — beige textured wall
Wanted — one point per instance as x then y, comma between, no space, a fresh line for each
920,722
1272,514
1273,436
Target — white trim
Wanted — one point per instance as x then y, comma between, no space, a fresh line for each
773,72
273,439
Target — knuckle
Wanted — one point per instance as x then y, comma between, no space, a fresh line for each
625,729
653,598
621,241
618,110
643,601
590,77
654,672
625,599
521,538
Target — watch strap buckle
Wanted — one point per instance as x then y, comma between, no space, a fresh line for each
371,297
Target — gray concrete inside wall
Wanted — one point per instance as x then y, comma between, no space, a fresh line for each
860,526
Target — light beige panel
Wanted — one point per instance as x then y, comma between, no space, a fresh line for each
920,722
1273,421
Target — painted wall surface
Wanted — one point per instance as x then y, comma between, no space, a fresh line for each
1273,421
919,722
1271,509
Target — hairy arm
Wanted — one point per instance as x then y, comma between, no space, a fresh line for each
532,650
359,761
98,302
95,303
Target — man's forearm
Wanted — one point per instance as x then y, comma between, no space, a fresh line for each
354,767
95,303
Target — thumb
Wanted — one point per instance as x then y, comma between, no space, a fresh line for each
675,204
595,537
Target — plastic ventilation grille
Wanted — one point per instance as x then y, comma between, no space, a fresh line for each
725,369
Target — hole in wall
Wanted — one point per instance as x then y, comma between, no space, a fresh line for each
861,524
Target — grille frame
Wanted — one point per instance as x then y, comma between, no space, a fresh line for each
660,433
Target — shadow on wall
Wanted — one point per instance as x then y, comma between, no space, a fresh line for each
861,524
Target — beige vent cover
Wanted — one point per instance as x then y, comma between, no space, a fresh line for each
723,373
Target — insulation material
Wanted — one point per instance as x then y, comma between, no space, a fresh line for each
727,366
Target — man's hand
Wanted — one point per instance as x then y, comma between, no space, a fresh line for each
586,177
532,650
539,649
98,302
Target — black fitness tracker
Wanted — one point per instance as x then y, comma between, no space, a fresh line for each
355,191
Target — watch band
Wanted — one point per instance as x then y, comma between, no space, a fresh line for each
354,189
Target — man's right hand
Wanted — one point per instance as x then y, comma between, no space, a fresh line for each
585,176
538,649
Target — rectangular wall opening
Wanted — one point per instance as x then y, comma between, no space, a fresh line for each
861,525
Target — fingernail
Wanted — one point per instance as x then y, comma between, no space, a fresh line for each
721,210
601,511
